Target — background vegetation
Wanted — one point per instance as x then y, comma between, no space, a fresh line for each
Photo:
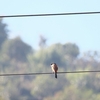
18,57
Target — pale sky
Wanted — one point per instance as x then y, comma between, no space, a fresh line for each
84,30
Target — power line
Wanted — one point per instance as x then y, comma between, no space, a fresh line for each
49,73
52,14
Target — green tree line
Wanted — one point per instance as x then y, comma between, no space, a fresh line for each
16,56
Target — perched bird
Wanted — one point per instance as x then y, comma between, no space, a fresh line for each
54,68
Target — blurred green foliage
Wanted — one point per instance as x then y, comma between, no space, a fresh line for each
18,57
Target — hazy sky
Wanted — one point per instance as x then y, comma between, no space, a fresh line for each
84,30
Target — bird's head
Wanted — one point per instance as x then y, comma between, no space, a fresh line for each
53,63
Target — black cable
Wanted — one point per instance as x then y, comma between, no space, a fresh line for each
48,73
53,14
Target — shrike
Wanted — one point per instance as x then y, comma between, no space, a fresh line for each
54,68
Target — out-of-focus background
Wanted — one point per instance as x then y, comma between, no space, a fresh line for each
31,44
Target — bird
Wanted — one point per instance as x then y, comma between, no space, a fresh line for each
54,68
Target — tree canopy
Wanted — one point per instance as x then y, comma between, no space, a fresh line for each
16,56
3,32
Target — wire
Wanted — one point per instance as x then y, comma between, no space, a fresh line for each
54,14
48,73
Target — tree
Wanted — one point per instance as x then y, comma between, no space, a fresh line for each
71,50
3,32
16,49
49,55
42,41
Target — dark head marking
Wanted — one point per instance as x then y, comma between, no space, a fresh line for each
53,63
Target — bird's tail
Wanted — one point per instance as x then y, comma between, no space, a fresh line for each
55,75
